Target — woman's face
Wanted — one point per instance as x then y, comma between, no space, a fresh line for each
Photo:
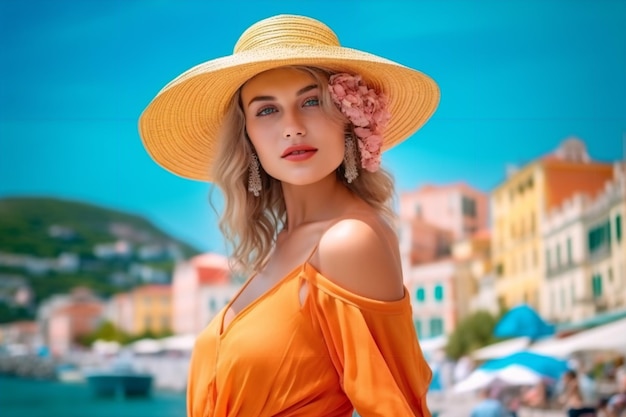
295,140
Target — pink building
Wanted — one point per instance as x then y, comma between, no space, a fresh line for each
433,297
459,208
71,321
428,242
432,220
201,288
120,312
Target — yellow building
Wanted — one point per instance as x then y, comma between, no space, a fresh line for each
152,309
518,206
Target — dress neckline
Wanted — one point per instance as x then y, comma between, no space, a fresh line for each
222,329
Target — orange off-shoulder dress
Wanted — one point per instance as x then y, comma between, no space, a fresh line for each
331,354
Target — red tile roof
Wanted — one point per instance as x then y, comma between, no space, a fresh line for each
564,179
211,269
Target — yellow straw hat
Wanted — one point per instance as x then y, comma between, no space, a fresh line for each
179,127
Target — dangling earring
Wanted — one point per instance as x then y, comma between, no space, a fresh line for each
254,177
349,160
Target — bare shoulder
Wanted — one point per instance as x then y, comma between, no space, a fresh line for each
361,255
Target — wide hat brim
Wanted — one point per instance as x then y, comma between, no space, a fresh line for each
179,127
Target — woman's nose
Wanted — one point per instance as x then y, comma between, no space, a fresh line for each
293,126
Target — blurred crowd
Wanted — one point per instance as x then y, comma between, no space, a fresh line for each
576,394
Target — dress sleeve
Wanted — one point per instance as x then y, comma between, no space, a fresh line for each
374,348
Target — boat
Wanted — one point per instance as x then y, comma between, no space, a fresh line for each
69,373
119,381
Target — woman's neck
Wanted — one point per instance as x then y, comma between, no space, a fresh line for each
324,200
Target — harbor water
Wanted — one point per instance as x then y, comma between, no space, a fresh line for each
33,398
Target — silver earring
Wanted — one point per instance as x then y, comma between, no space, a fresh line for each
254,177
349,160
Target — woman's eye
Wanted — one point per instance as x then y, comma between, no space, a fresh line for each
265,111
313,101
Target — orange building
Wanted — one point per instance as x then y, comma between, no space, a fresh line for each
151,309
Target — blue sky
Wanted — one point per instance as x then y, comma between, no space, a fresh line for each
517,77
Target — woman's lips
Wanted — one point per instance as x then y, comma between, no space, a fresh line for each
298,153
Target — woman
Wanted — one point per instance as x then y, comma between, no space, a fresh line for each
291,127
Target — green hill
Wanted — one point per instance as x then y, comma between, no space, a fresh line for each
25,225
50,246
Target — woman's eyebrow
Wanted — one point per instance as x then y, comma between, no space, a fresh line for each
269,98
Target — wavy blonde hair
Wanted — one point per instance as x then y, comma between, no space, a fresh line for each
250,224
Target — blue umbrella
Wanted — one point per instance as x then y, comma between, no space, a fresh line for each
546,366
522,321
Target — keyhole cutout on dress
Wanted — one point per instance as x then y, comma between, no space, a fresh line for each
304,292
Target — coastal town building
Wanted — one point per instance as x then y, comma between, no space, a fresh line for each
65,318
474,279
457,208
584,254
201,287
432,220
518,209
119,311
152,309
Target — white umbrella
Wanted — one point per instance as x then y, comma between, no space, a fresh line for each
514,375
105,347
147,346
611,336
501,349
476,380
184,342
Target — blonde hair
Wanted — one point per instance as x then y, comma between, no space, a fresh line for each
250,224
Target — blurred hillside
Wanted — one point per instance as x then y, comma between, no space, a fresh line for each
48,246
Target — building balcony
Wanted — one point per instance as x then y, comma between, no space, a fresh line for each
561,269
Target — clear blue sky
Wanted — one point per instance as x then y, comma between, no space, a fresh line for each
517,77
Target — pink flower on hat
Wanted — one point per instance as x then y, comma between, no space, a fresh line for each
367,111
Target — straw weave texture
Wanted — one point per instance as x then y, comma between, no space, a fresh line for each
180,125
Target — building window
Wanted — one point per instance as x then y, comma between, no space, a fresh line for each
570,260
468,206
212,304
599,237
438,292
436,326
558,255
618,228
596,285
420,294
